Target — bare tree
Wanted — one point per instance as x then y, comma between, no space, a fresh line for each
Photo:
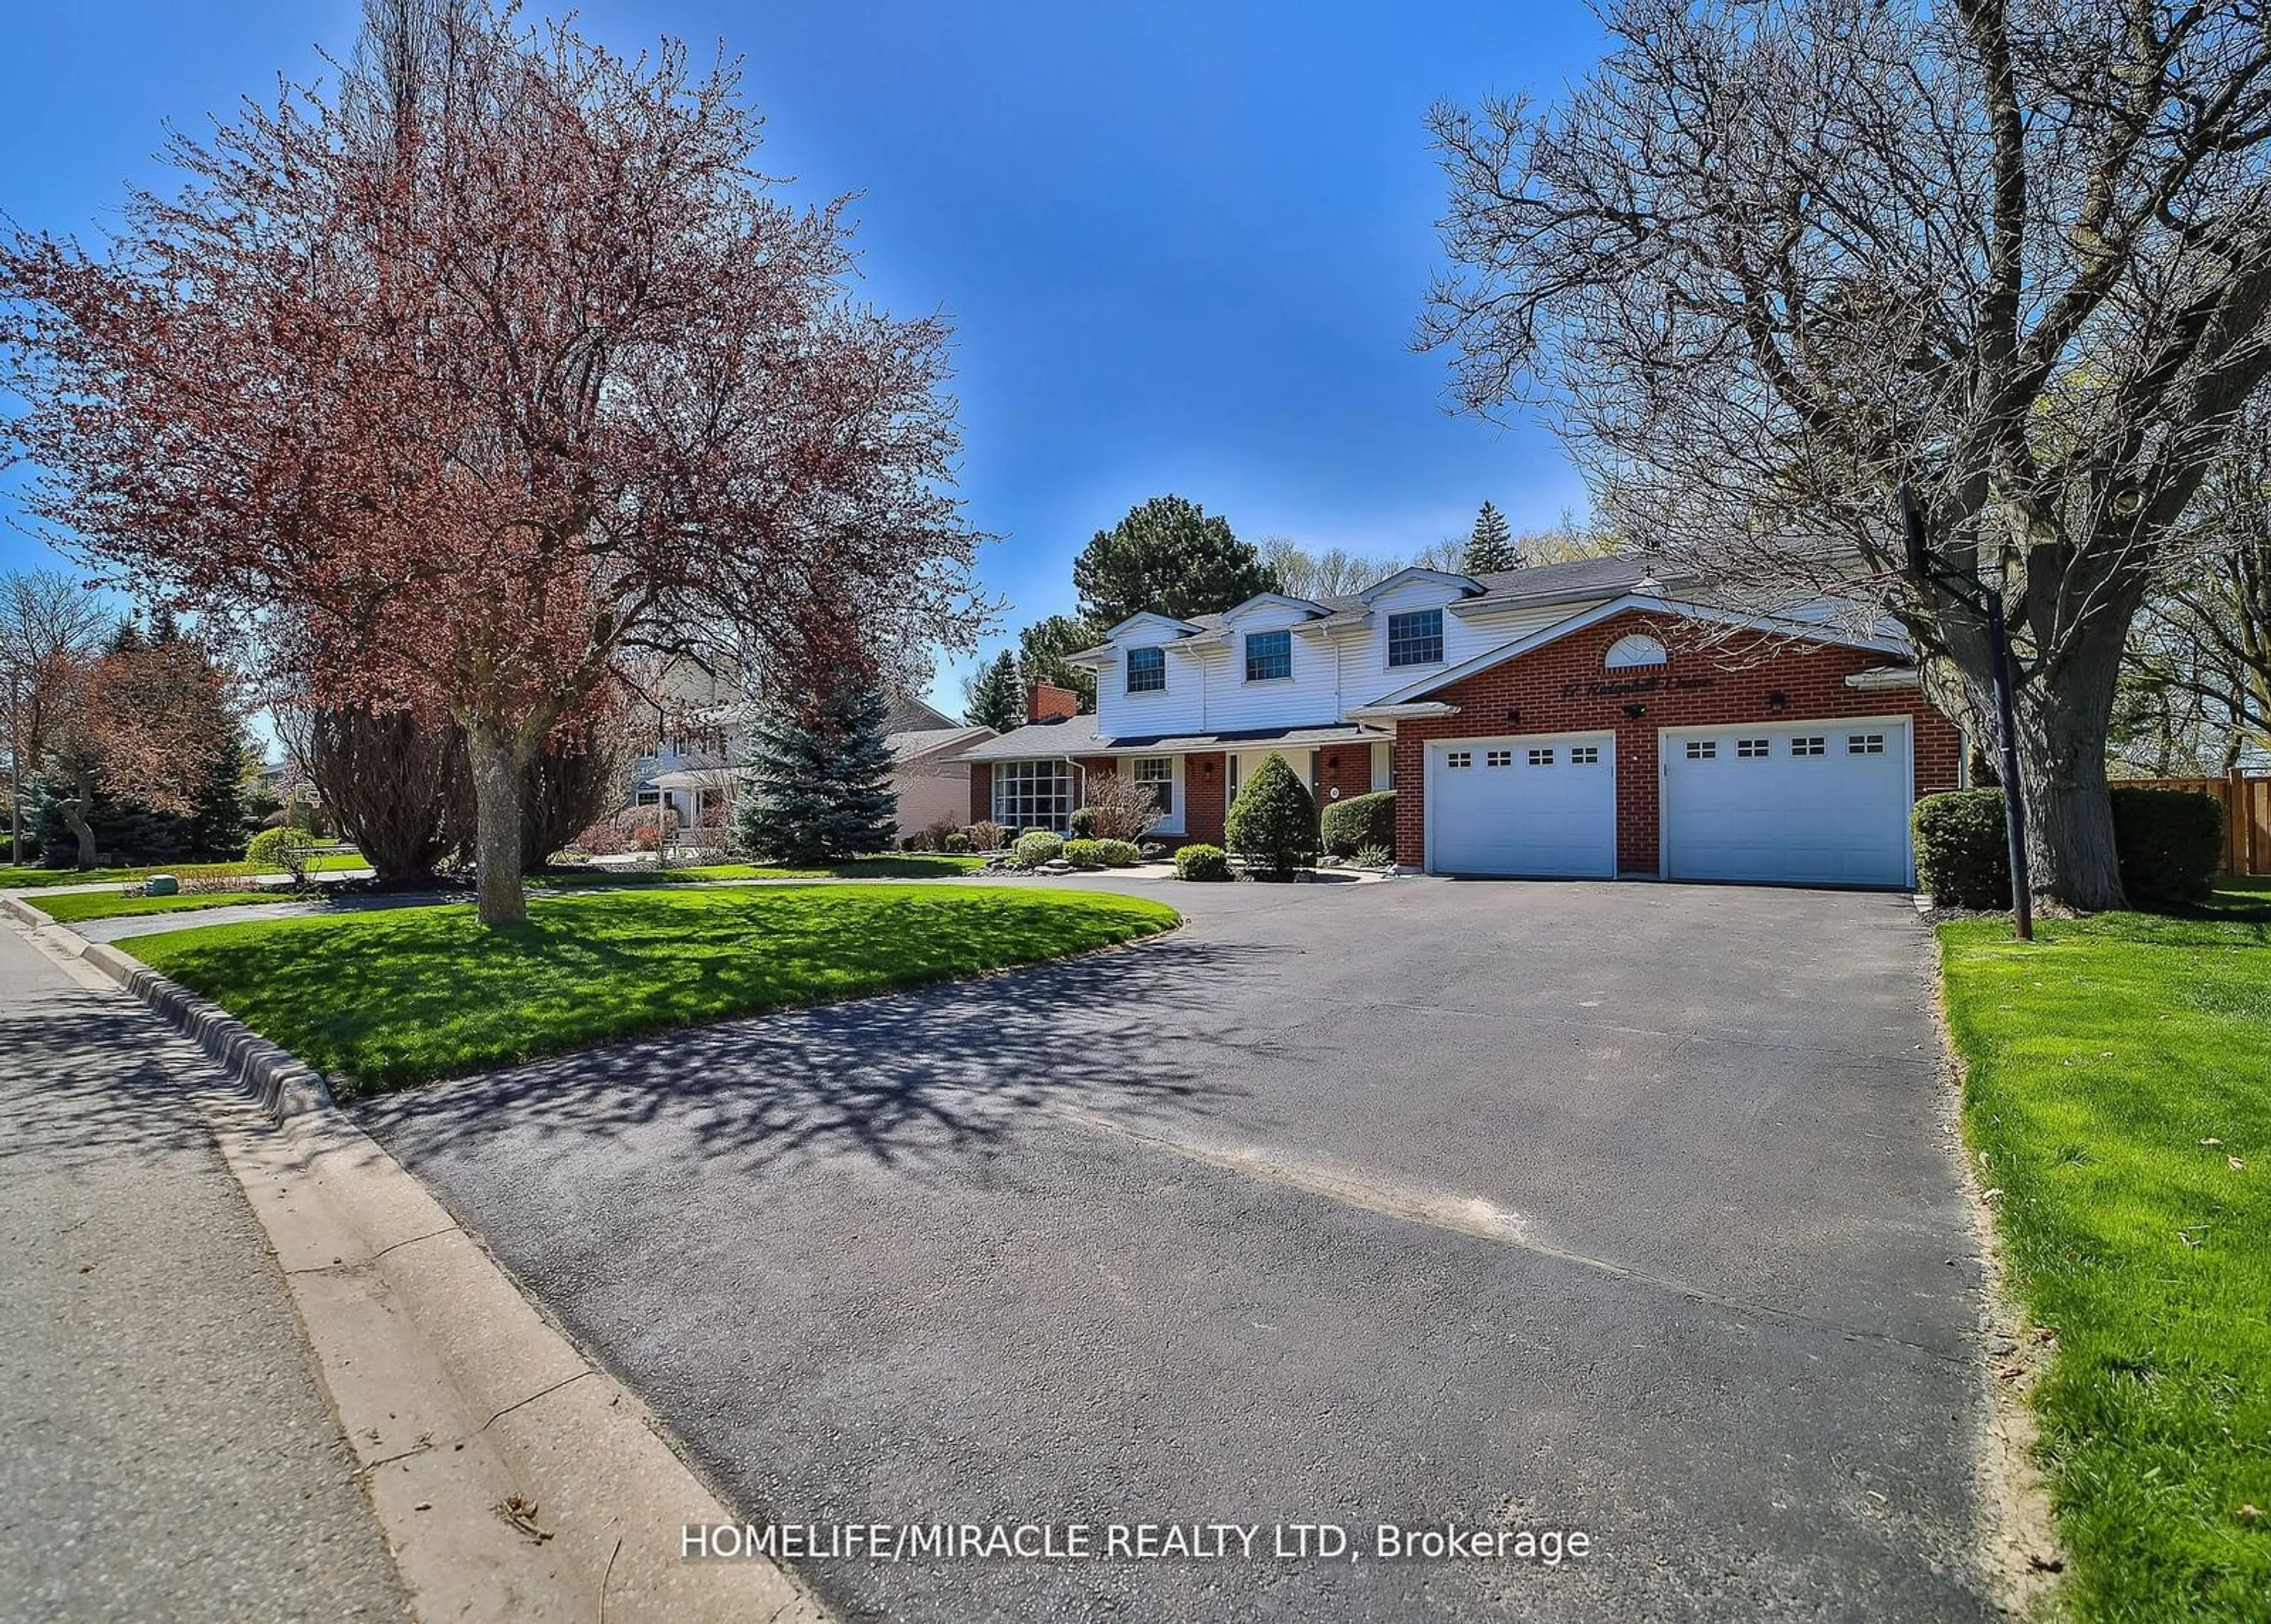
2199,656
1771,261
1328,574
51,628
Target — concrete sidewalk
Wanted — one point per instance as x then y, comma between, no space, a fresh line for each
169,1454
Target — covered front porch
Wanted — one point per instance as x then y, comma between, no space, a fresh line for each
1194,776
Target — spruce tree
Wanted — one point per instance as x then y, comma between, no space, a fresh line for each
1273,822
818,788
997,699
1490,545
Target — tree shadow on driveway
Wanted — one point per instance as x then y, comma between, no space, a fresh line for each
942,1073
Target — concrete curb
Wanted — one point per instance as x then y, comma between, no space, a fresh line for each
512,1477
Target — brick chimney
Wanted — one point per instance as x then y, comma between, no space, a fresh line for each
1048,702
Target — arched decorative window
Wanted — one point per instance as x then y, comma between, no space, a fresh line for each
1636,649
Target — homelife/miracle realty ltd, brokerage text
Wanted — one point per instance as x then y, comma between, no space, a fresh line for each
1132,1542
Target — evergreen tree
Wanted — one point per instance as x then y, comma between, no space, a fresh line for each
1167,557
818,788
1490,545
997,699
1273,822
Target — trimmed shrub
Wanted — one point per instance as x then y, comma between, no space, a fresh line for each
2170,841
283,849
986,835
1084,854
2167,841
1962,857
1202,863
1349,826
1273,823
958,843
1035,847
1119,853
1083,824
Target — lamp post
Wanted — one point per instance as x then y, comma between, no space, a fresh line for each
1989,607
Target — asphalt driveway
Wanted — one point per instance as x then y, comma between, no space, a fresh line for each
1629,1209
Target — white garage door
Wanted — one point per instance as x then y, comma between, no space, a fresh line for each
1797,803
1543,805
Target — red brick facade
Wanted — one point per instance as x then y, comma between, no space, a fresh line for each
1564,688
1205,778
1343,767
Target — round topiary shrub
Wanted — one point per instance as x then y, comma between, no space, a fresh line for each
958,843
1119,853
1084,854
1961,858
284,849
1035,847
1202,863
1083,824
1273,823
1349,826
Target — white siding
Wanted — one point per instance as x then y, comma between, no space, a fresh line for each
1178,708
1365,674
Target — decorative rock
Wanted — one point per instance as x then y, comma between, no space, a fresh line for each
162,885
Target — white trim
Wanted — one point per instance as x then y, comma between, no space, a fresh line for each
1634,652
1666,736
1467,586
1229,616
1886,676
1181,628
1796,631
1603,736
1401,713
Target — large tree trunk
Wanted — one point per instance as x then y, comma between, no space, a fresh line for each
496,770
2061,742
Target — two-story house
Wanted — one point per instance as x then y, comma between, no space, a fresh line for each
1581,718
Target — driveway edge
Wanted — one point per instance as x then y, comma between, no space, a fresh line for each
512,1477
2022,1553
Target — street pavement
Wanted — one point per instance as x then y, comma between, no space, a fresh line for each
169,1454
1627,1210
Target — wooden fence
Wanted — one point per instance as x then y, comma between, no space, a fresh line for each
2246,803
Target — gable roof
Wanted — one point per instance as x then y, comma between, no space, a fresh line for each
1796,631
919,743
1468,585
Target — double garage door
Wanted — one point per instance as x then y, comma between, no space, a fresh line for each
1795,803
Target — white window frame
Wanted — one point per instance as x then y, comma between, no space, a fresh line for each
1018,799
1435,636
1159,772
1247,649
1160,687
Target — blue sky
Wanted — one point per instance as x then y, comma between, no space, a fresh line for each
1182,246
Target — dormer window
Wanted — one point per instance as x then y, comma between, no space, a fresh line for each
1268,656
1416,639
1147,671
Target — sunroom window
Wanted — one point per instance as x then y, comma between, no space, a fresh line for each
1032,794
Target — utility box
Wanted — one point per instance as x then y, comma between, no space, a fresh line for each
162,885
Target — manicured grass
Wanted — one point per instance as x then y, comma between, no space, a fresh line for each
36,879
384,999
911,865
72,906
2119,1088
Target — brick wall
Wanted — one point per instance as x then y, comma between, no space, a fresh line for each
1205,778
1344,767
982,791
1546,691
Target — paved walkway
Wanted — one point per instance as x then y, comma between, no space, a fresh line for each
169,1453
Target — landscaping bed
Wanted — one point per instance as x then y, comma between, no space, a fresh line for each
380,1001
39,879
2118,1096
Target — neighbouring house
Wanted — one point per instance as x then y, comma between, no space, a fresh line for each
703,711
1573,720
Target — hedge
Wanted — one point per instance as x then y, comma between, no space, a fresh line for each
1084,854
1119,853
1035,847
1360,821
1202,863
2168,842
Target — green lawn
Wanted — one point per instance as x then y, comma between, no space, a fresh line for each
70,907
36,879
2120,1087
384,999
911,865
